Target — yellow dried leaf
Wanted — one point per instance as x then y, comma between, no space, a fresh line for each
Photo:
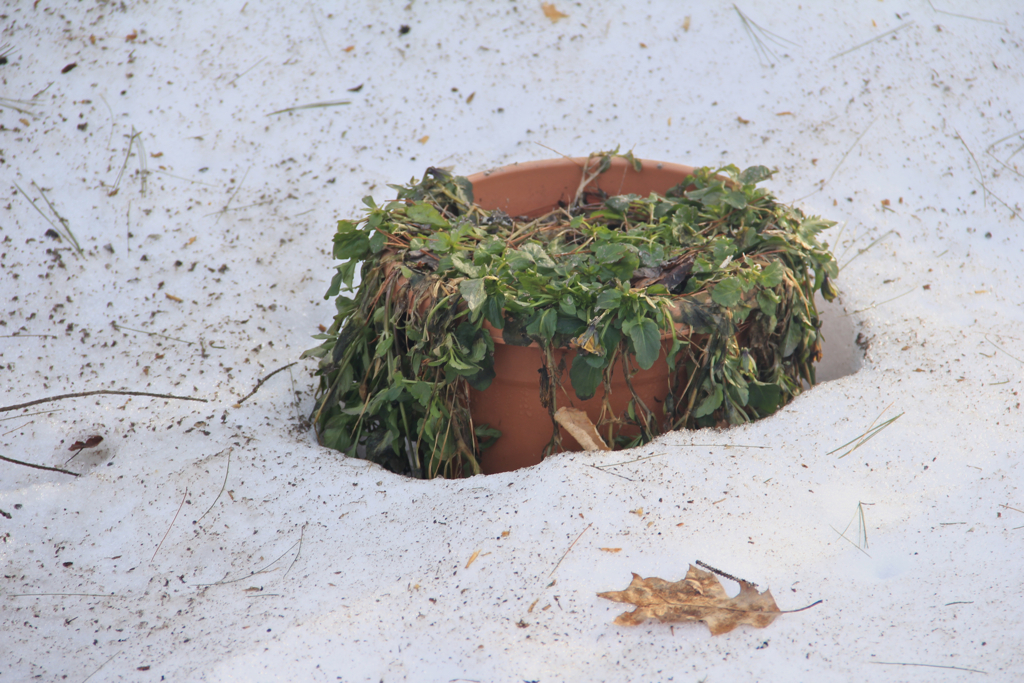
579,425
504,534
686,23
698,597
472,558
639,512
551,12
423,139
176,299
611,550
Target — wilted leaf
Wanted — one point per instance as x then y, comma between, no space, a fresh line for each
577,423
91,442
698,597
551,12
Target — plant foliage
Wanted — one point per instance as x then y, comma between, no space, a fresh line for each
715,273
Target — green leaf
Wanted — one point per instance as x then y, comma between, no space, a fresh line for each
828,288
793,337
377,242
735,199
548,323
383,345
755,174
464,266
710,404
514,333
584,377
422,212
807,231
620,259
493,311
767,301
463,189
771,276
474,292
646,342
727,292
722,249
350,245
608,299
739,391
570,325
420,391
708,196
610,253
482,380
537,254
764,398
335,285
620,203
652,255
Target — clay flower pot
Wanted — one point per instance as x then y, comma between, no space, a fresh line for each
512,402
398,363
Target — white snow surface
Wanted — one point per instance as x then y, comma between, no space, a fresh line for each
206,225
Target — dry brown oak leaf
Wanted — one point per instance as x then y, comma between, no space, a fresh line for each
698,597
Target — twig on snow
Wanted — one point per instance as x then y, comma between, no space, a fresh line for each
39,467
99,392
260,383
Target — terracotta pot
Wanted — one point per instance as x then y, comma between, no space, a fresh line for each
512,403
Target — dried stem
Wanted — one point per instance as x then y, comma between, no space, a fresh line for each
170,526
260,383
39,467
99,392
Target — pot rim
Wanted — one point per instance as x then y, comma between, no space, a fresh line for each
581,163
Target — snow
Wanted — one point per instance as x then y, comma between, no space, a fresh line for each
289,563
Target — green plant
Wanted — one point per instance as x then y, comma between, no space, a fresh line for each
716,271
